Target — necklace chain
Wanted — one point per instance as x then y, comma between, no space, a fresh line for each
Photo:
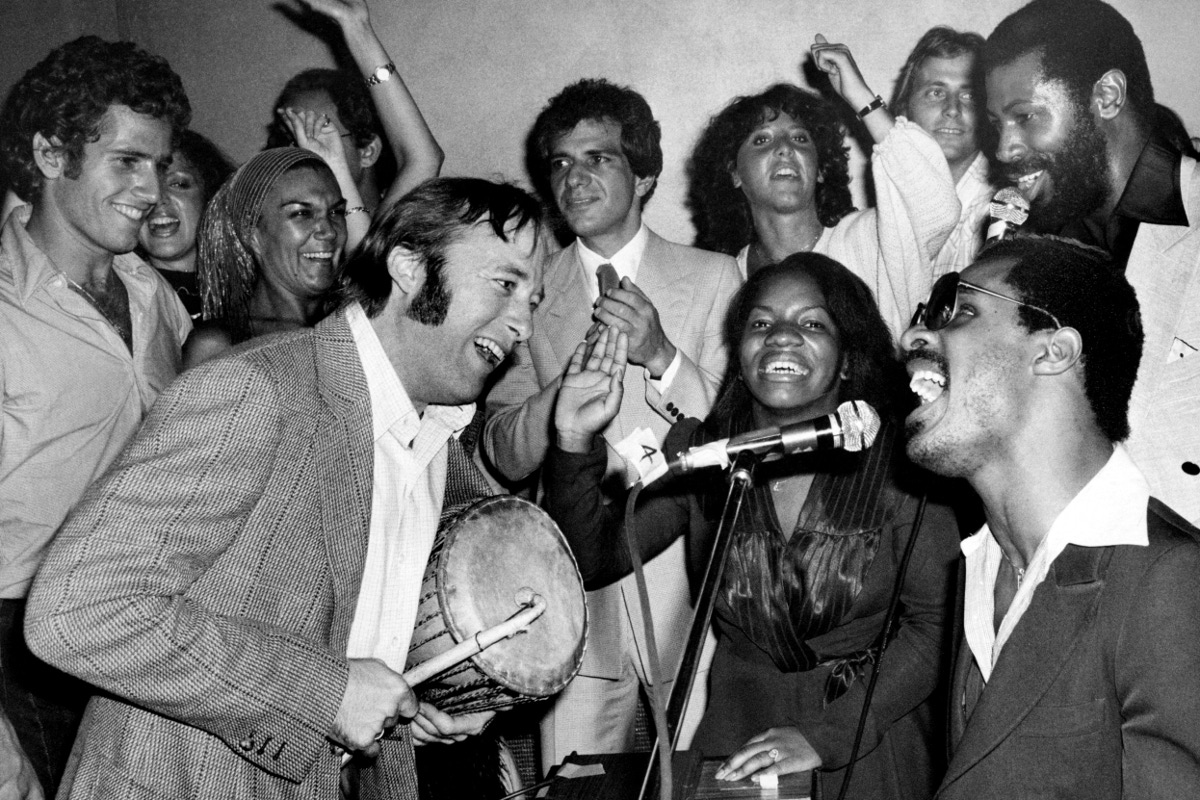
762,251
1019,570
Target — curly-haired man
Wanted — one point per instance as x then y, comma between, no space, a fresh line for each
89,334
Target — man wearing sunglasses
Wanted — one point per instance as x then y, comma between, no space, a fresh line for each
1077,668
1079,133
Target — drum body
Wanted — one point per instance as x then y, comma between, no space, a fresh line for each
482,565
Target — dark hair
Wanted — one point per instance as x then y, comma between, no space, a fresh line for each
720,211
426,221
597,99
66,95
1085,290
1078,41
937,42
212,166
346,91
873,373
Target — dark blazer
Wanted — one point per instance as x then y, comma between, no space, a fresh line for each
208,582
1097,693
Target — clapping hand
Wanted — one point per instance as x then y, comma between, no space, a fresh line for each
591,391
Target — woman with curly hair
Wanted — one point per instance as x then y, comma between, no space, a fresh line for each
815,551
269,242
769,178
168,236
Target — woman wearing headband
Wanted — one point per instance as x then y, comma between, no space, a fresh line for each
269,242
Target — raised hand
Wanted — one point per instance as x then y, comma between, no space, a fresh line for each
316,132
432,726
628,309
836,61
591,391
376,699
778,751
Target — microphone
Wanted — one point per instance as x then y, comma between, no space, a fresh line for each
1008,211
852,427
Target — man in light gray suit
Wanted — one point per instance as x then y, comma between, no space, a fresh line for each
242,585
598,146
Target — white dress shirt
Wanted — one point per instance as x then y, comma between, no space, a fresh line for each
1109,510
626,262
406,502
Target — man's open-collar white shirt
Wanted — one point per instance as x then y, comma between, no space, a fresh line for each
626,262
1109,510
406,501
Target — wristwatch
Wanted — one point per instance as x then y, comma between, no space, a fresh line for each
381,74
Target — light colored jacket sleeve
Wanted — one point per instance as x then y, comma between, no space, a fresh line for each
692,392
892,246
520,416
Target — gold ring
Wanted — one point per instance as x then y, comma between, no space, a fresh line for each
774,754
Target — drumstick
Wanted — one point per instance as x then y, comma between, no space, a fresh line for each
518,622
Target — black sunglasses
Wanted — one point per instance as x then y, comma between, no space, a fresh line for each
942,306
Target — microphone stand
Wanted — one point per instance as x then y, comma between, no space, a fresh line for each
741,477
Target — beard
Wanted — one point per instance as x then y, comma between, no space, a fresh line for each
1078,177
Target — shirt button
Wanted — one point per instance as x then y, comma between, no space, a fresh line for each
246,745
1191,468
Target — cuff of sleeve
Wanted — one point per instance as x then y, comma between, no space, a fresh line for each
661,384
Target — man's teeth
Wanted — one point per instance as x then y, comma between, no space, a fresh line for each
784,368
493,352
135,214
326,256
1027,181
927,385
786,172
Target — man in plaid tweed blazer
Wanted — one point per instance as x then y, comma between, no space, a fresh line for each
209,584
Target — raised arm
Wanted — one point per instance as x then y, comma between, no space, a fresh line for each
418,155
316,132
588,400
836,61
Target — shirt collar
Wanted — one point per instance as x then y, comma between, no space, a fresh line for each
1109,510
1152,193
31,268
391,407
625,261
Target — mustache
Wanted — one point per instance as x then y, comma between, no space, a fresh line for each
1031,163
932,356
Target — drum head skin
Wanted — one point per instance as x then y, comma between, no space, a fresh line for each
495,552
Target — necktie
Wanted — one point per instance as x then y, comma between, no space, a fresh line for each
606,274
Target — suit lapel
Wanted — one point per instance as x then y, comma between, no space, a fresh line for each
345,467
1034,655
567,310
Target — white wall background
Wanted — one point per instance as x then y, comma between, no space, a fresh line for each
481,69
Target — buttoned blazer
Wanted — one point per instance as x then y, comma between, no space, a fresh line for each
1097,693
1164,412
207,584
691,290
